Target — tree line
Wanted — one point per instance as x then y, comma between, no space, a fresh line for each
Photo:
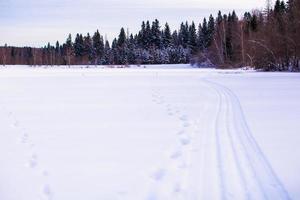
267,40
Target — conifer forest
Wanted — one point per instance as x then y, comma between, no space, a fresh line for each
268,40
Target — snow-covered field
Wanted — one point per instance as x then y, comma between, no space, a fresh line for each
153,134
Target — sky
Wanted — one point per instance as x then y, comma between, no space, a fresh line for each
37,22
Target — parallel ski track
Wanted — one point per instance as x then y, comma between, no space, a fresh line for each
238,151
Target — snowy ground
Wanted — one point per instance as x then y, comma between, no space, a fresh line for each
153,134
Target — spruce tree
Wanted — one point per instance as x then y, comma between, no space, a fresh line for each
192,41
57,47
141,35
79,46
183,35
175,39
88,47
98,46
122,38
68,50
69,41
205,33
253,23
155,34
219,18
167,37
211,30
200,38
147,35
122,48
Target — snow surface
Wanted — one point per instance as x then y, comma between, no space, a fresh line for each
160,132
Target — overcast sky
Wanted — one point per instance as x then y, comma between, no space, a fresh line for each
35,22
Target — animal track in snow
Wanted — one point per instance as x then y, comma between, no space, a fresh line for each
45,173
186,124
33,161
16,124
183,118
176,154
180,132
185,140
47,192
24,138
159,174
177,188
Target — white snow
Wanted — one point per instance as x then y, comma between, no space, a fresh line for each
155,133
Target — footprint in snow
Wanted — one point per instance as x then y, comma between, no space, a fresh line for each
45,173
185,140
182,166
160,102
24,138
186,124
33,161
183,118
159,174
16,124
177,188
47,191
176,155
181,132
170,113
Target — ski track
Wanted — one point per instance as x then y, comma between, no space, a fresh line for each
32,161
241,169
239,156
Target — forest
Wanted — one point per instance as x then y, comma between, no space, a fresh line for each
267,40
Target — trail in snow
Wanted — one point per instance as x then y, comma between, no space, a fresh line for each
170,180
32,161
232,164
205,149
244,171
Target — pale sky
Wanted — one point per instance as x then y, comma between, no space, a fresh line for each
37,22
